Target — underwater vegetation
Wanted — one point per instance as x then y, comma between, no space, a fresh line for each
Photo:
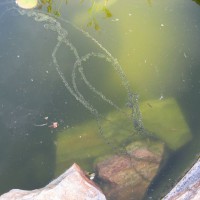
94,7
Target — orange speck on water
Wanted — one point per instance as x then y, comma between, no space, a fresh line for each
54,125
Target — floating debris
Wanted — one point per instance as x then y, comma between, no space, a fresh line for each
54,125
40,125
27,4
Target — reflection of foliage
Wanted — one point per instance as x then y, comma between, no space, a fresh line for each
48,4
96,7
197,1
54,6
149,2
93,22
100,7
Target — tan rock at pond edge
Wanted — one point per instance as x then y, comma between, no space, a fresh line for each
71,185
128,176
188,187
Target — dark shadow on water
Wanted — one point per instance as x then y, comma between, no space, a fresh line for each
27,152
183,159
197,1
27,160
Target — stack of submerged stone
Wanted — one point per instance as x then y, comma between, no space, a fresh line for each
124,176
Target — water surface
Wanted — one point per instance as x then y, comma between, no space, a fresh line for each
156,47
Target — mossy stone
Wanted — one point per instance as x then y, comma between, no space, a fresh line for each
165,119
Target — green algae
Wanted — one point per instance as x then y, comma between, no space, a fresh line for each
83,143
165,119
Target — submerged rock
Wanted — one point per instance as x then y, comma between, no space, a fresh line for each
71,185
162,118
128,176
165,119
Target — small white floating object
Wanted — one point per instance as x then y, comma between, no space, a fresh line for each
115,20
161,97
185,55
27,4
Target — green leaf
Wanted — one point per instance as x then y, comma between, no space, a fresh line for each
107,12
56,13
89,24
43,2
49,8
96,26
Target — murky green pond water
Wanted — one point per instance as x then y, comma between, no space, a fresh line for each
105,75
